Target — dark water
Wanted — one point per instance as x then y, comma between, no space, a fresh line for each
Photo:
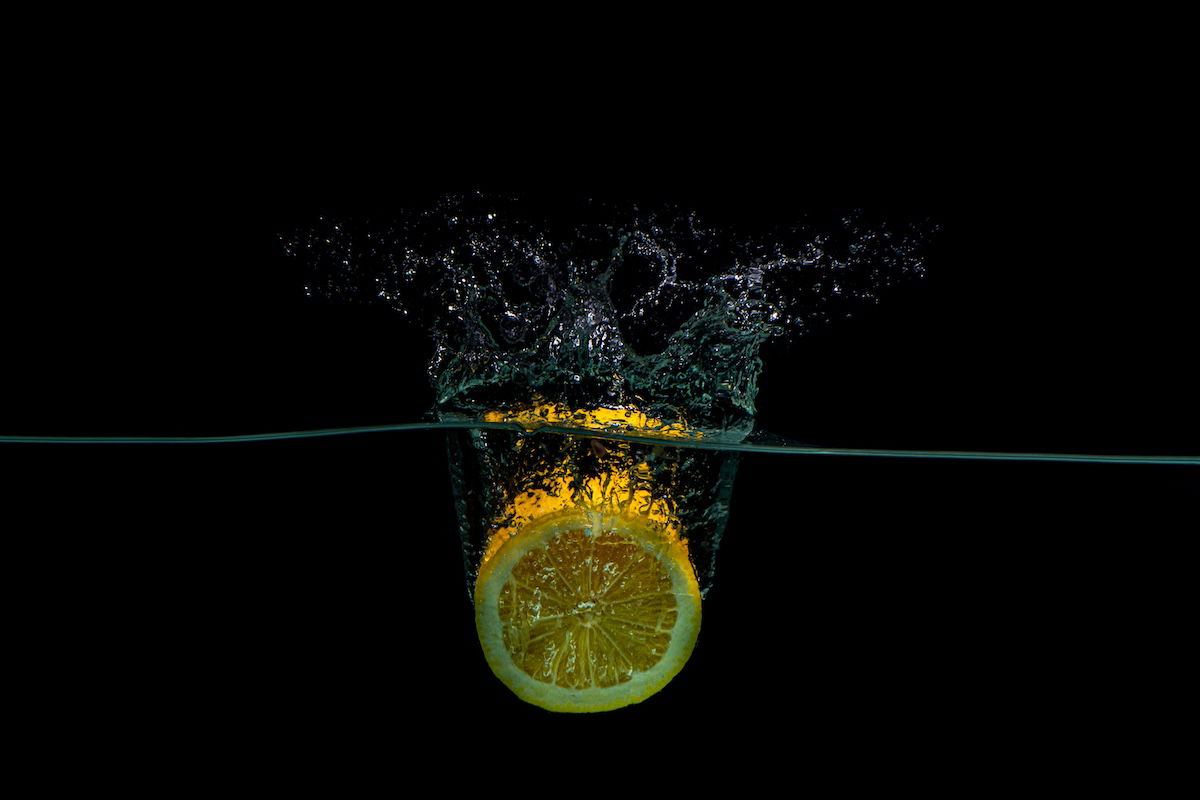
280,587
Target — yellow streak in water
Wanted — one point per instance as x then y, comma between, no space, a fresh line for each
608,420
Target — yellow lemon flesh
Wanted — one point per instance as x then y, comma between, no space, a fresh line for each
582,610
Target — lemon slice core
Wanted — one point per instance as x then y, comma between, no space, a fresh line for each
586,611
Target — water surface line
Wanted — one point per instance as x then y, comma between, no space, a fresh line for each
775,447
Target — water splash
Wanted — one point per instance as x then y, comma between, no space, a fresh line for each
603,305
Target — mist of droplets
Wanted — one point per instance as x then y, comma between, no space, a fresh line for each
596,304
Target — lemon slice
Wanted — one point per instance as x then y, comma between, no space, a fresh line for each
586,611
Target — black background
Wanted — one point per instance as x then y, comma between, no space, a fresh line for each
309,595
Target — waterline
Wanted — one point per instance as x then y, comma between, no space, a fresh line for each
742,447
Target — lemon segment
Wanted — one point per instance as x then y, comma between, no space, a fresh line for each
582,610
